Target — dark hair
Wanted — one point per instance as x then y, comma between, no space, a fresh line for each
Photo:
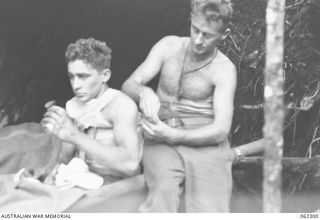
212,10
91,51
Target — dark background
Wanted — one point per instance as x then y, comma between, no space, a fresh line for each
35,33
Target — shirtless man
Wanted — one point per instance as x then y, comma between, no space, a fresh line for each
188,119
99,123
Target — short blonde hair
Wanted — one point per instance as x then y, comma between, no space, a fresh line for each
212,10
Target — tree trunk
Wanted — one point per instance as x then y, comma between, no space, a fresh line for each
274,108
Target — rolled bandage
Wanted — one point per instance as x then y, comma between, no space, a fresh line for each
49,127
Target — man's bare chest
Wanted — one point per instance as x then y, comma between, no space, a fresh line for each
194,85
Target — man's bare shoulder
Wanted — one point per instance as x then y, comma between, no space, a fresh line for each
120,106
171,40
172,43
222,59
223,68
223,63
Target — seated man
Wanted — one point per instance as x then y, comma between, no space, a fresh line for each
99,124
189,118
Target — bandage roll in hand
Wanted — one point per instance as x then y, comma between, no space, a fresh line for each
48,127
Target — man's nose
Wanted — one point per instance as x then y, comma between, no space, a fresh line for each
76,84
199,38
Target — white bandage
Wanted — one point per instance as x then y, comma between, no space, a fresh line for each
49,127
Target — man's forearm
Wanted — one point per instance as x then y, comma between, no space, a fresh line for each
114,157
133,89
204,136
67,152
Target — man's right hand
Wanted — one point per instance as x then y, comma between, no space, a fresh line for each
149,104
57,122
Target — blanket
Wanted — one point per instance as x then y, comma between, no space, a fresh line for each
124,196
28,146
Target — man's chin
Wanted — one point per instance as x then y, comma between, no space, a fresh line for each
198,51
82,99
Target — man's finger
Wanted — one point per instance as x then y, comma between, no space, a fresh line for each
148,111
151,112
60,111
148,123
144,110
50,103
155,112
48,120
155,117
52,115
147,129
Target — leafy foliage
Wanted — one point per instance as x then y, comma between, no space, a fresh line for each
246,48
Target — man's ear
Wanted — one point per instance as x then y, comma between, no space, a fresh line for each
226,33
106,73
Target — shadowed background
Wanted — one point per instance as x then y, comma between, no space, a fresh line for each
35,33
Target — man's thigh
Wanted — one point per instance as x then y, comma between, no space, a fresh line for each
162,162
208,182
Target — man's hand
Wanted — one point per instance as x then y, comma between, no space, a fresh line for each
158,131
57,122
149,104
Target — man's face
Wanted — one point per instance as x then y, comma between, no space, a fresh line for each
86,82
205,35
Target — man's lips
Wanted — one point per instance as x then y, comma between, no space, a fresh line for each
199,47
79,94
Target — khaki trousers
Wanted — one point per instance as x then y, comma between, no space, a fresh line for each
202,173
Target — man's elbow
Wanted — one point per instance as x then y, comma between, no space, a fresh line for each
125,85
131,167
222,136
128,85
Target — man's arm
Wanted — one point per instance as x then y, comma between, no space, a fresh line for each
67,152
122,159
135,87
213,133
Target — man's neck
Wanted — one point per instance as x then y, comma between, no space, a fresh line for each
105,88
193,62
194,57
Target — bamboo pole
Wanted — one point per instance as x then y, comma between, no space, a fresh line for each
274,108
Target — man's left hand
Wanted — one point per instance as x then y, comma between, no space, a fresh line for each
158,131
